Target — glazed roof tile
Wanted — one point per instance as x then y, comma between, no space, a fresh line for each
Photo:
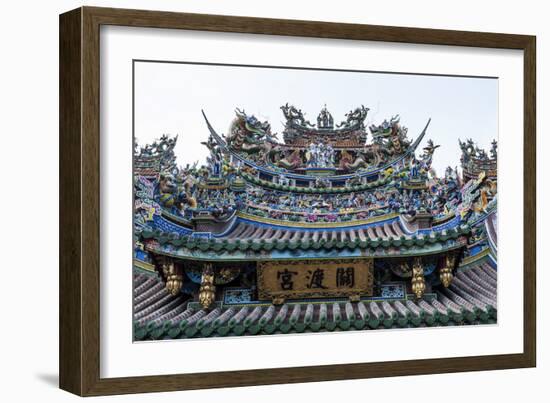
468,300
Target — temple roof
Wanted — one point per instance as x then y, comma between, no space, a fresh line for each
276,171
249,239
471,298
240,207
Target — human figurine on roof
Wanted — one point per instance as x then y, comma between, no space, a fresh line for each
413,168
321,157
325,119
329,156
215,159
311,155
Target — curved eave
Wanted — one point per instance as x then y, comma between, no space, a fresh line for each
223,145
471,299
299,254
285,248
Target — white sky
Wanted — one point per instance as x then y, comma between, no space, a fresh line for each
169,98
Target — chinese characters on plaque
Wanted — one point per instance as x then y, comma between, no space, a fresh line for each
315,278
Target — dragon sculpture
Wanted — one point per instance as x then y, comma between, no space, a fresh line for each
292,161
355,119
249,135
295,116
391,135
477,195
351,164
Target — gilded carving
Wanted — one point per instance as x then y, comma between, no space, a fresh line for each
207,291
446,272
418,282
173,275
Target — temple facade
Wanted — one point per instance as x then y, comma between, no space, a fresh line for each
337,226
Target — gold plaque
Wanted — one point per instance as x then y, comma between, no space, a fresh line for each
315,278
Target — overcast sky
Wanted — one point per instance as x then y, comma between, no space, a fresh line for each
169,98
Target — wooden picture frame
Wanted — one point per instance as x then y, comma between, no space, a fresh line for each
79,346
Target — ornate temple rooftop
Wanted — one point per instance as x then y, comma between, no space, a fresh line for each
327,191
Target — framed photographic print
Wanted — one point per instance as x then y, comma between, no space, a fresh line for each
250,201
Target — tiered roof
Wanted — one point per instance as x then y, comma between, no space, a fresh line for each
370,212
327,191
